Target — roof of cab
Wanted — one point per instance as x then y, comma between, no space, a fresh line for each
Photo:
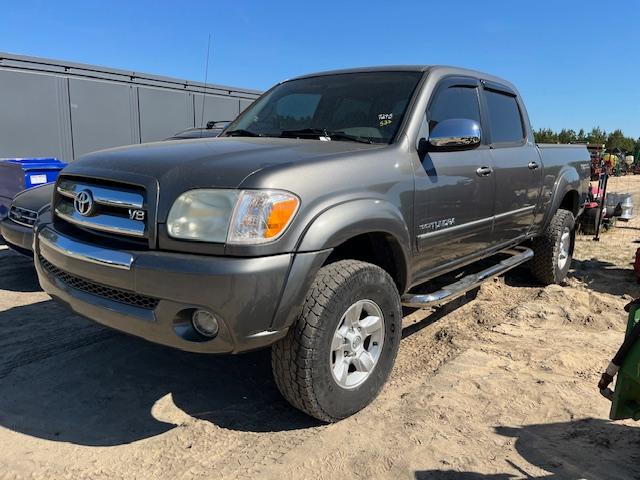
413,68
382,68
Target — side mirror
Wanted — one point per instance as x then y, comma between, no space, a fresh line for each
454,134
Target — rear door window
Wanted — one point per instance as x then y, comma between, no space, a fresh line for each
504,118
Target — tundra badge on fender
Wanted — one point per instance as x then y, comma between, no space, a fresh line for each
438,224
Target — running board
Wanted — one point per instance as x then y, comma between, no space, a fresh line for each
518,256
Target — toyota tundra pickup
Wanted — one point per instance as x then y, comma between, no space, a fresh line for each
332,201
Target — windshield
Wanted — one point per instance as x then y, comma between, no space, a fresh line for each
366,106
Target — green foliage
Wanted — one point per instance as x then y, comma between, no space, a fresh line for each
614,141
597,135
545,135
567,136
617,141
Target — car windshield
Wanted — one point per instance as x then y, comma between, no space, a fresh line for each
366,106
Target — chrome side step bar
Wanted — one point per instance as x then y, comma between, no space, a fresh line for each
518,256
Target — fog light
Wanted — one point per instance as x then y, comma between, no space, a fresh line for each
204,323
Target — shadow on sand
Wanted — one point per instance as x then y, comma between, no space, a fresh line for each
99,387
17,273
587,448
605,277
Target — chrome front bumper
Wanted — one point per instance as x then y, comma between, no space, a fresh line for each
84,252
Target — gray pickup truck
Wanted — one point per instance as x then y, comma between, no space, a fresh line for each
332,201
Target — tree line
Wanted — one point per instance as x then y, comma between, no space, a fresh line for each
613,141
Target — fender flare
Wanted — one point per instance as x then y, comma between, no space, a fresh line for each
338,224
568,180
347,220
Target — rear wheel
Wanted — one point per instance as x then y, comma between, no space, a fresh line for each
553,249
338,355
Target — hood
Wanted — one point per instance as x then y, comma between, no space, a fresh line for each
35,198
220,162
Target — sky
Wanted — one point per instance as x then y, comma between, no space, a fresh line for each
576,63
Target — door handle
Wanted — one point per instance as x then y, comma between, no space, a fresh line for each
533,165
484,171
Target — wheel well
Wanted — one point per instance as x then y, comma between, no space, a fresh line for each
570,202
378,248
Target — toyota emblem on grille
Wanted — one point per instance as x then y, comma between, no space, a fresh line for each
83,203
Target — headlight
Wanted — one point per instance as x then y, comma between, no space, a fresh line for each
262,216
202,215
234,216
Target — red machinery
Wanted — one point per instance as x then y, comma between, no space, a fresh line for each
602,208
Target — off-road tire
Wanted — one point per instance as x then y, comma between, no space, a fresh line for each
546,247
301,360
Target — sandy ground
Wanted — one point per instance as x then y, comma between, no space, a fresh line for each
499,387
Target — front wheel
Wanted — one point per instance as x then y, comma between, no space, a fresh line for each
553,249
339,353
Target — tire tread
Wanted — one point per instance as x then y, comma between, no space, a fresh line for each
543,264
292,357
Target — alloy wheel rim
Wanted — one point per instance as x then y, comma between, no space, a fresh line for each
565,246
357,344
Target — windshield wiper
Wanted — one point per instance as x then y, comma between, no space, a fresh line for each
240,132
306,132
323,132
346,136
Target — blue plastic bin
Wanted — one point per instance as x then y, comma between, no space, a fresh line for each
18,174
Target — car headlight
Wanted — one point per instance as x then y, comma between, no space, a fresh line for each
262,216
234,216
202,215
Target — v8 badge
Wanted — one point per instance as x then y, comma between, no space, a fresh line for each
136,214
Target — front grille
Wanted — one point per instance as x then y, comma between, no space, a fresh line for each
23,216
117,295
102,208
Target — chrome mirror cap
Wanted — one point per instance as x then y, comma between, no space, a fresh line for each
455,134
